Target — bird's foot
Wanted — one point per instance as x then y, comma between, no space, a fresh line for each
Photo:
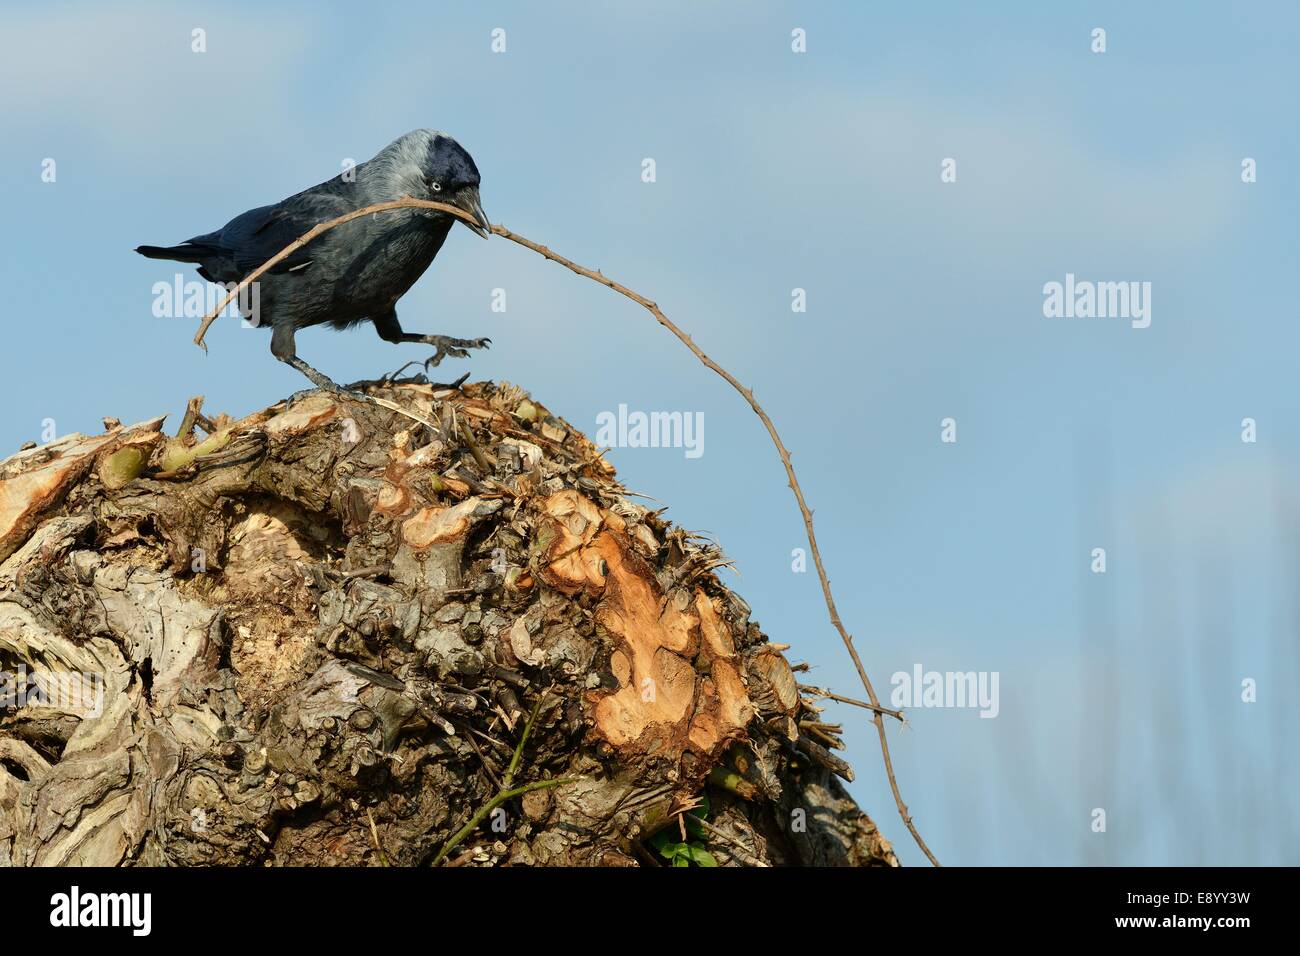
338,391
446,346
323,383
330,388
299,396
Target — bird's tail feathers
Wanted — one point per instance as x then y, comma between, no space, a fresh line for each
182,253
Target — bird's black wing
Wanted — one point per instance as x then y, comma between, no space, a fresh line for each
251,238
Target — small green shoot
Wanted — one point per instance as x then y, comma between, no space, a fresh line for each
687,852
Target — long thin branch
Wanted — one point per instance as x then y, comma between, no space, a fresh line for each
746,393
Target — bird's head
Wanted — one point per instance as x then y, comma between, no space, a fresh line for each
450,176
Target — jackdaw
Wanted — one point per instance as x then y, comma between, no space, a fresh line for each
357,271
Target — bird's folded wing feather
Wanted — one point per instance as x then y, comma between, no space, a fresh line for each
250,239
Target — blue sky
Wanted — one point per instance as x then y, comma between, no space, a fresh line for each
776,171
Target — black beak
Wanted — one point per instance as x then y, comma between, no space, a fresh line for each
468,200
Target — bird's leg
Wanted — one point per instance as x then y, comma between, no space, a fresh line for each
282,347
390,330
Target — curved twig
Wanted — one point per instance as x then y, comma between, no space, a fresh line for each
746,393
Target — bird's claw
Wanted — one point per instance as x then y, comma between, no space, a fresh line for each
447,346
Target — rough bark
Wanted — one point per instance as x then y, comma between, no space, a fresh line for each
315,636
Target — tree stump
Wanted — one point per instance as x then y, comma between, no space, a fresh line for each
316,637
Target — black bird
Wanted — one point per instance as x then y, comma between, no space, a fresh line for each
357,271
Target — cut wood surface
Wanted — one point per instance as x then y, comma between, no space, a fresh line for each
316,637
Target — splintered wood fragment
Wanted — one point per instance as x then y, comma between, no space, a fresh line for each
823,736
733,782
119,468
479,457
823,757
430,526
192,412
37,480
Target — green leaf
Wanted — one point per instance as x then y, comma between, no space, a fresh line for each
668,848
700,856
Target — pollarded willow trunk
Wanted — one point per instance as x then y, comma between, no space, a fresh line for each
317,637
